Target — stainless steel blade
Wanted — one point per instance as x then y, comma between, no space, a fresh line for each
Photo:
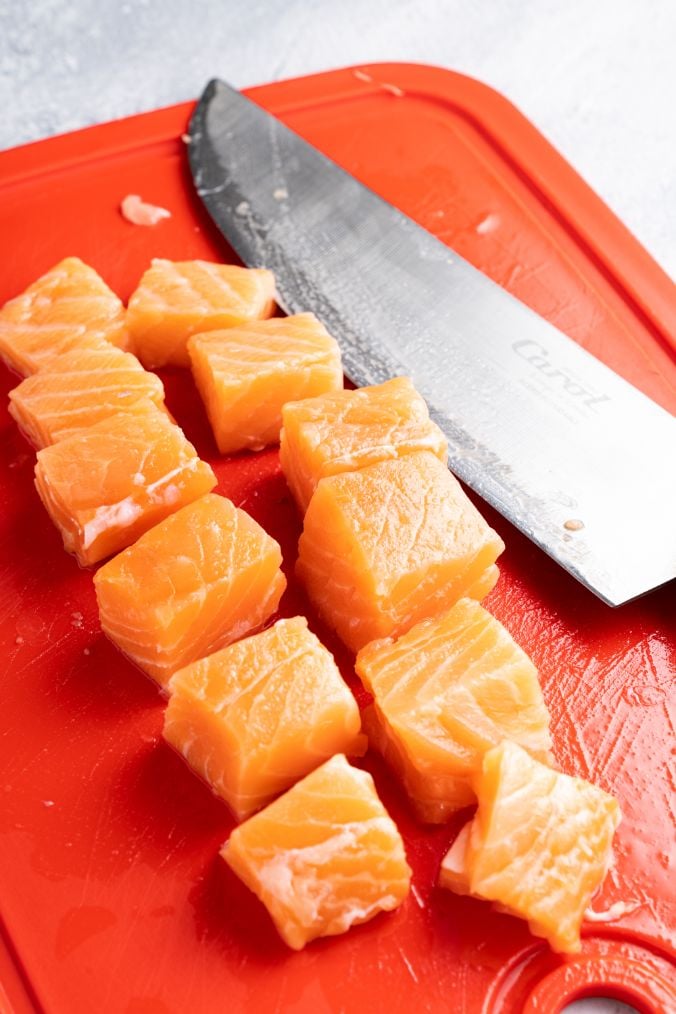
537,426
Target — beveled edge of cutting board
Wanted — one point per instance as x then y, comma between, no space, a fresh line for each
165,126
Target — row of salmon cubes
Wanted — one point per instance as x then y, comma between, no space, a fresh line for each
204,573
257,716
71,337
336,434
395,558
71,306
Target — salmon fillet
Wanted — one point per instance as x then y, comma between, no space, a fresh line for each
386,546
175,300
445,693
78,389
347,430
324,856
68,307
258,715
202,578
109,483
245,375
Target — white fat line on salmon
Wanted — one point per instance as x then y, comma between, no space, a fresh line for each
117,515
186,466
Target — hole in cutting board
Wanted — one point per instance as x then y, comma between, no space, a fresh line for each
598,1005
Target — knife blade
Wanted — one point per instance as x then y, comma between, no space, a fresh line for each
579,460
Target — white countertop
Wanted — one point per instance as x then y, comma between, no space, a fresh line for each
598,77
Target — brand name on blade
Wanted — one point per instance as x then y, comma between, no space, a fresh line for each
538,357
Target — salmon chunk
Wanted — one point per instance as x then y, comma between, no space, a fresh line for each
346,430
175,300
539,845
109,483
68,307
324,856
258,715
202,578
78,389
391,544
445,693
246,374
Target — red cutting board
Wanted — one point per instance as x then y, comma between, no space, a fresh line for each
112,895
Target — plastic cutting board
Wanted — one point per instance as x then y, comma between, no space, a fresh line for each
112,897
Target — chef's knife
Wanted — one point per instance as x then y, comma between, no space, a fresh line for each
574,456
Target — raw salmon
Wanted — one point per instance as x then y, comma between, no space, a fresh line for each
539,845
200,579
140,212
347,430
175,300
386,546
256,716
78,389
446,692
246,374
65,308
109,483
324,856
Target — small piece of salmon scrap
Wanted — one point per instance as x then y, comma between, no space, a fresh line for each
140,212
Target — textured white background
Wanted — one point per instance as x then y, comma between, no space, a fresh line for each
598,77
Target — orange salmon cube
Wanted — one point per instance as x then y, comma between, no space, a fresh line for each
386,546
246,374
445,693
78,389
202,578
68,307
539,845
347,430
258,715
111,482
175,300
324,856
